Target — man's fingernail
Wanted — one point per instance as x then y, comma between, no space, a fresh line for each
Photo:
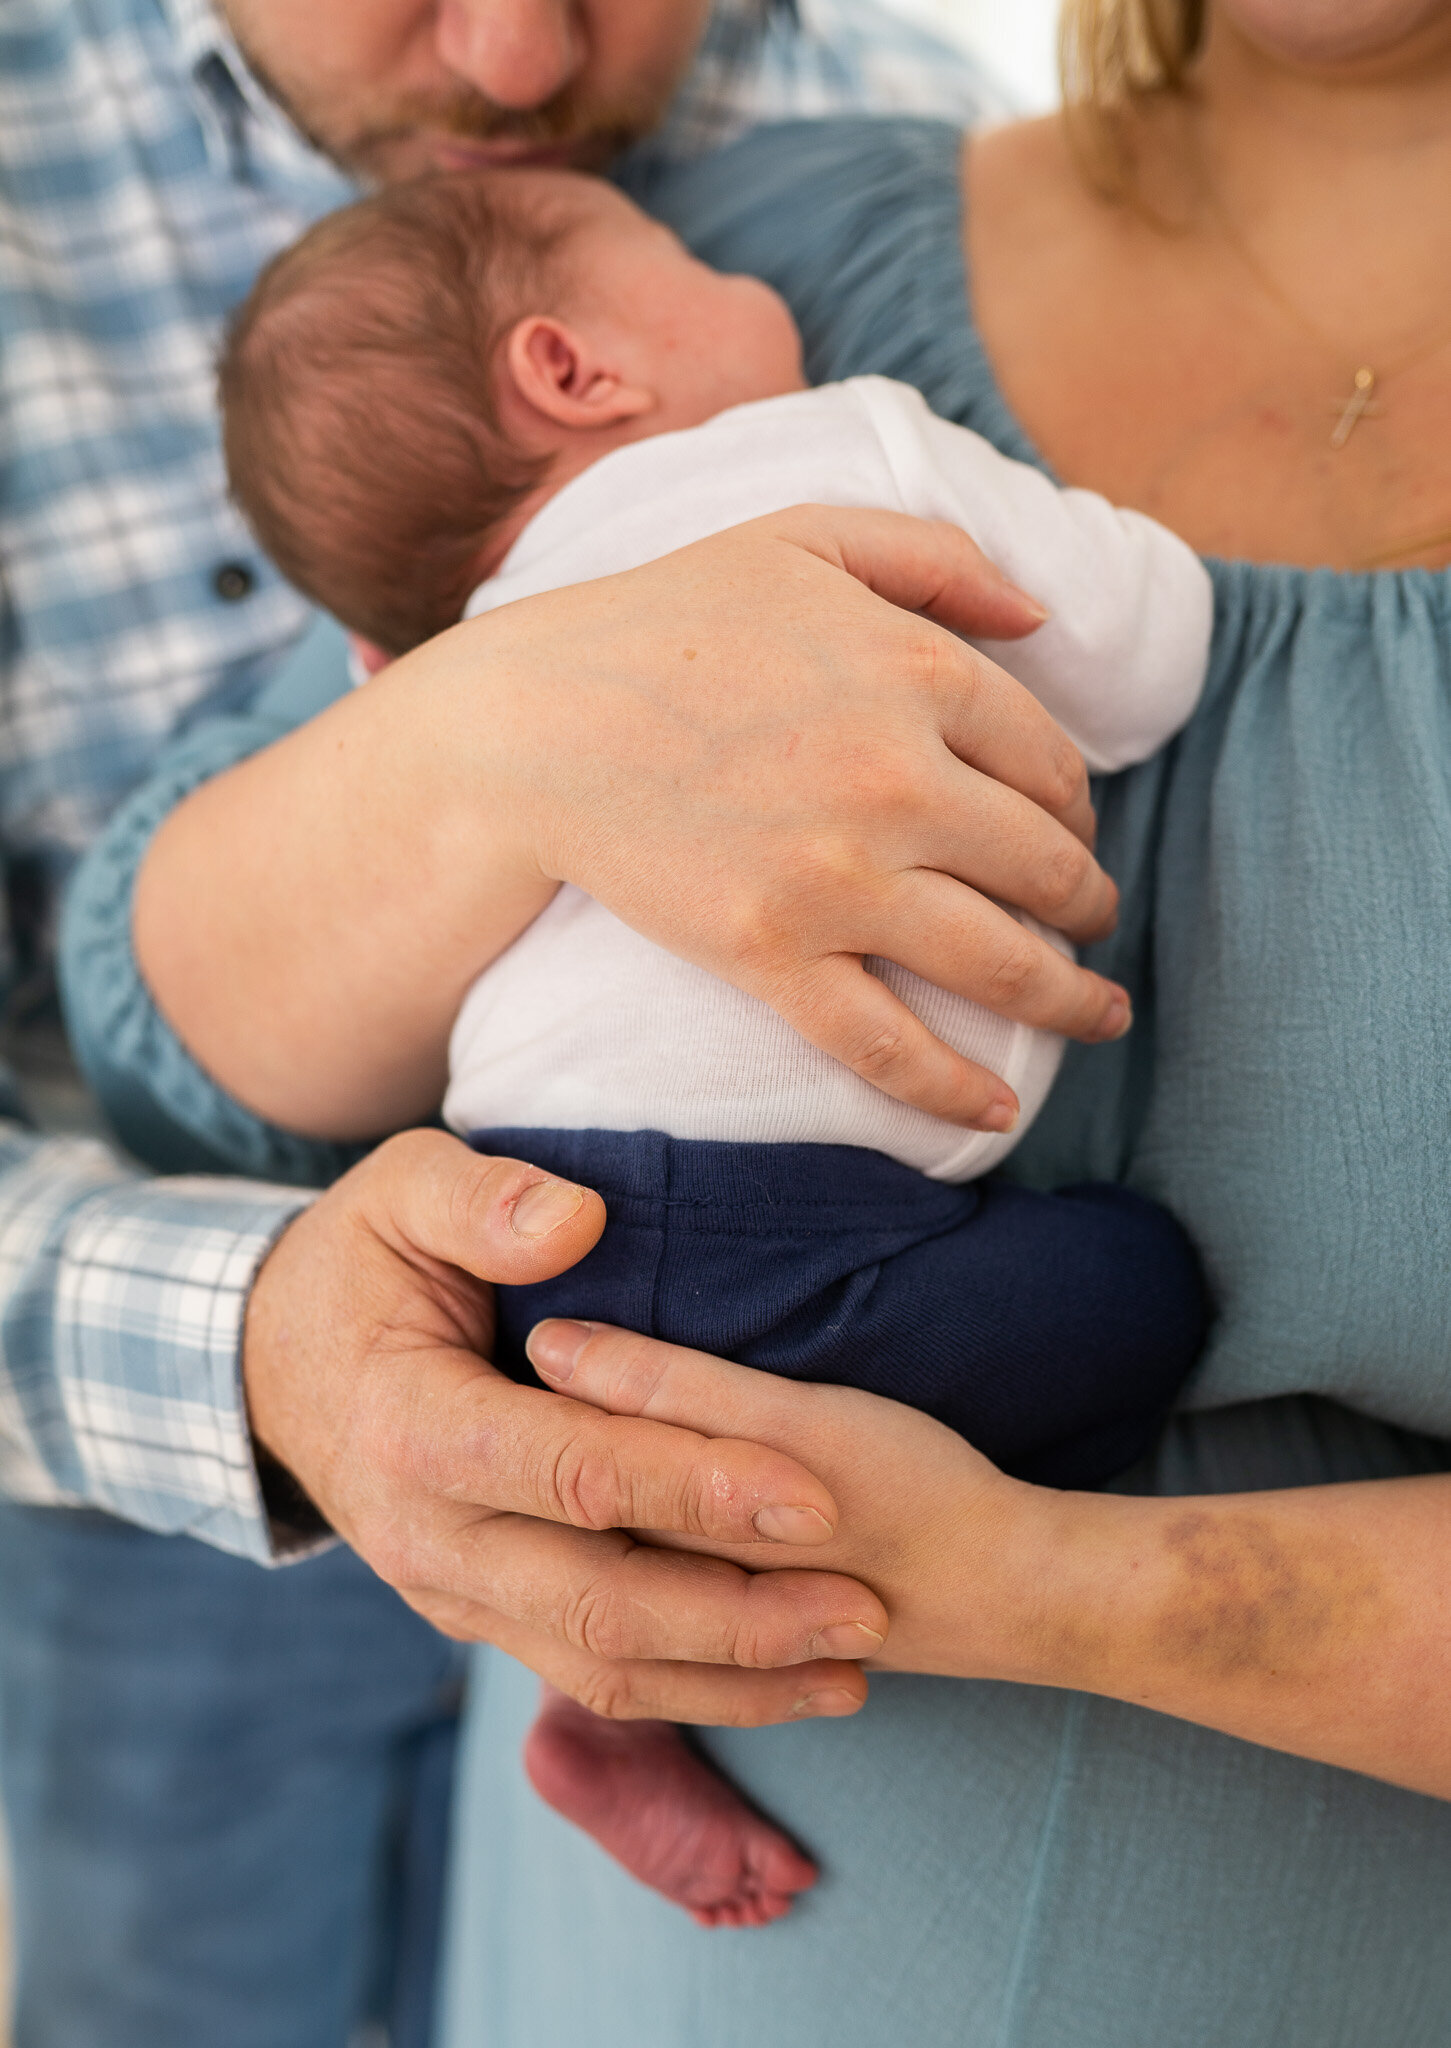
846,1639
1117,1018
792,1525
553,1348
543,1206
1001,1116
830,1700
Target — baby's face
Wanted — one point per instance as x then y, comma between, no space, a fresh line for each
699,339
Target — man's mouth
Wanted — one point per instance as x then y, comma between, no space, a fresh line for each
453,153
468,134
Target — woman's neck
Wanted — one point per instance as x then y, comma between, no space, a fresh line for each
1335,177
1194,352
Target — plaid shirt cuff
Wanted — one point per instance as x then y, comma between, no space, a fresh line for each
121,1310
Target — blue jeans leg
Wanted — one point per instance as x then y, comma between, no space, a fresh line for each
226,1792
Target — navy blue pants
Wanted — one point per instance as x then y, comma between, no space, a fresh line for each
1052,1330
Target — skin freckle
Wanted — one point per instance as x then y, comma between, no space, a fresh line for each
1247,1600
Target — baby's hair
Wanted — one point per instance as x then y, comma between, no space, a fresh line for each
361,426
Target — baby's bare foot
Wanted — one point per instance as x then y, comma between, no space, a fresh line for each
659,1809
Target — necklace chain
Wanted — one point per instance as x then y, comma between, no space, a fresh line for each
1403,551
1367,378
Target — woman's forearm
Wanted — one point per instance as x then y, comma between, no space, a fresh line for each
742,750
1316,1621
309,921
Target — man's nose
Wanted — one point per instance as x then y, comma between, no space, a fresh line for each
518,53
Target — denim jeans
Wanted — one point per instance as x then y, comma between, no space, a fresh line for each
226,1789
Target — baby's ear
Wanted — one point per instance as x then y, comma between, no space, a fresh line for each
565,378
367,657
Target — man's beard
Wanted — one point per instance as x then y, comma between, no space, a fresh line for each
583,132
592,133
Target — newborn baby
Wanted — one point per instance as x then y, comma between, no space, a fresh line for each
473,389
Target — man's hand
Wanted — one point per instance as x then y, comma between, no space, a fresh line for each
499,1511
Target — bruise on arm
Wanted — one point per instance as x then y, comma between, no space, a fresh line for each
1316,1620
1248,1596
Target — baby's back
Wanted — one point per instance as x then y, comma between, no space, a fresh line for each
582,1024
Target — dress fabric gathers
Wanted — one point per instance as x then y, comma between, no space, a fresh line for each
1017,1868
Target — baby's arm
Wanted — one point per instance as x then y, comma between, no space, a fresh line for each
1121,662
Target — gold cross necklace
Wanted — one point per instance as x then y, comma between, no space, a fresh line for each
1357,407
1366,380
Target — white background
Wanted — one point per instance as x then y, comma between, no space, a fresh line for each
1016,37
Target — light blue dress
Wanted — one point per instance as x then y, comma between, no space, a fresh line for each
1009,1868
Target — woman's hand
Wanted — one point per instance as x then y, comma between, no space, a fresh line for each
1316,1621
954,1548
755,752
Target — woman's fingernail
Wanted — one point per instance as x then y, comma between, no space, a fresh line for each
846,1639
792,1525
543,1206
1000,1116
831,1699
1034,605
1117,1018
553,1348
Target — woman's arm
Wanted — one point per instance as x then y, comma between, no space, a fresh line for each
164,1107
1316,1621
741,750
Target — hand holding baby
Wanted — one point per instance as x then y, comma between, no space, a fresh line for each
496,1510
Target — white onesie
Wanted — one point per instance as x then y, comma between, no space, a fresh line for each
584,1025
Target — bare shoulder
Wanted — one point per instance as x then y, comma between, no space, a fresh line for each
1028,207
1070,294
1038,243
1023,169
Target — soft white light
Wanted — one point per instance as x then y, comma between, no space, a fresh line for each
1017,38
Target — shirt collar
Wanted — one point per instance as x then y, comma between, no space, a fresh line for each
241,118
204,42
198,30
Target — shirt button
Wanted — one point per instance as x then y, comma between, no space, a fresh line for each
233,581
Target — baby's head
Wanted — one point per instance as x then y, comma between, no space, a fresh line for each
408,383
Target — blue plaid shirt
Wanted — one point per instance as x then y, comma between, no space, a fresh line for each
144,180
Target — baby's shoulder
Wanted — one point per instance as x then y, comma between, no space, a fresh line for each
870,441
820,447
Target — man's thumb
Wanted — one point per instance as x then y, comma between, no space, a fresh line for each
499,1219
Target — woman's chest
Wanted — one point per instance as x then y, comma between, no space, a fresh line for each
1152,366
1269,454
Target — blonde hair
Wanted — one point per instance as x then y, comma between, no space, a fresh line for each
1112,54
